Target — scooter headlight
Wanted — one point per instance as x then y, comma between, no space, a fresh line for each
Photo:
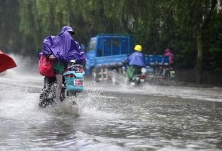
143,70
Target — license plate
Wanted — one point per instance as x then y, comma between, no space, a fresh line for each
150,76
142,80
78,82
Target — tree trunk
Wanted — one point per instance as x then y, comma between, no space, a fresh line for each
199,57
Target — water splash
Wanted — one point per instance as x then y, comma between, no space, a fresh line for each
19,104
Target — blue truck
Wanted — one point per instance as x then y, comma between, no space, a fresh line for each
107,52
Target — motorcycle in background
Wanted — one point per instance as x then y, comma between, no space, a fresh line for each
73,84
138,79
163,75
159,70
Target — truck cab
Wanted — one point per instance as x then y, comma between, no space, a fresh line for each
107,52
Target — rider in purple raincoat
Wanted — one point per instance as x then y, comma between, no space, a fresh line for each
136,61
62,48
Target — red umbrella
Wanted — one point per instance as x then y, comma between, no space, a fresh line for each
6,62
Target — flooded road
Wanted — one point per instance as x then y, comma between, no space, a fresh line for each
112,118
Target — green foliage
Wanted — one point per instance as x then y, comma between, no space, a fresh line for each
8,26
156,25
213,47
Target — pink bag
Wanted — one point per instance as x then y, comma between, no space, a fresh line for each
46,67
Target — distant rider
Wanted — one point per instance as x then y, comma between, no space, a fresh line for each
136,61
171,56
62,48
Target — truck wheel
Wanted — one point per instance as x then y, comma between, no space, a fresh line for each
114,76
95,75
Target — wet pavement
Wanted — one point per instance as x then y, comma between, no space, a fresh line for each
112,118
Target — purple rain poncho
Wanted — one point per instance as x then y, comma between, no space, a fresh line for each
63,47
137,59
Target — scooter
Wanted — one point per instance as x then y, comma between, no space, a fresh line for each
138,79
72,86
163,75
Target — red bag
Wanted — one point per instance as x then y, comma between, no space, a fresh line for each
46,67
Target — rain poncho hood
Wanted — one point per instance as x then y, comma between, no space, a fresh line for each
168,53
63,47
167,50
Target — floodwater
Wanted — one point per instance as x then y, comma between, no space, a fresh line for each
112,118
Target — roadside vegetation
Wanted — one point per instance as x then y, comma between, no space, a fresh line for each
192,29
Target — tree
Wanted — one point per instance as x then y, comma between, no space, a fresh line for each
8,29
195,15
